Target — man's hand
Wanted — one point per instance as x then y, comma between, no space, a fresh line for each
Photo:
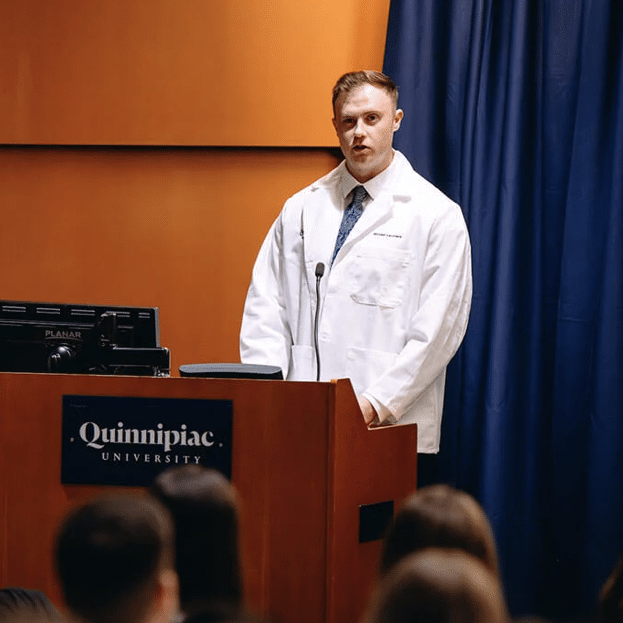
369,413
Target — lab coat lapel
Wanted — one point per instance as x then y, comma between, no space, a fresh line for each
375,213
321,216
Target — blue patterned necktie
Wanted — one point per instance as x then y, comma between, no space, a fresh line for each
351,216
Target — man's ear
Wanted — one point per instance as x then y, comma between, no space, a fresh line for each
334,124
398,118
167,595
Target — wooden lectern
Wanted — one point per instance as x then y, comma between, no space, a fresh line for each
303,463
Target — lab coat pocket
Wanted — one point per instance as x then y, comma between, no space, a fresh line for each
364,366
379,277
303,366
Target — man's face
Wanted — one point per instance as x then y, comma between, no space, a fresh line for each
365,122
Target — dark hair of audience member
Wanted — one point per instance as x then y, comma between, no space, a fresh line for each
439,516
204,507
19,605
226,615
438,586
111,554
611,596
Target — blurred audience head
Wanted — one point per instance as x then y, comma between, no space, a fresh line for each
204,507
114,559
438,586
611,596
439,516
23,605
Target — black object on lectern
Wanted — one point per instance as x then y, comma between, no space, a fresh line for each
231,371
81,339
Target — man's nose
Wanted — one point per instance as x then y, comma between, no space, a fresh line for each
359,128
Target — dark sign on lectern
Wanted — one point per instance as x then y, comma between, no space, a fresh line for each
112,440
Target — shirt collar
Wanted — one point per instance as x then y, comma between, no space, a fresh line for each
373,186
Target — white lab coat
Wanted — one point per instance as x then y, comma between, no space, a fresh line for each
394,306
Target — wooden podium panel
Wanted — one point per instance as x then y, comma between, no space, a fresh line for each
303,462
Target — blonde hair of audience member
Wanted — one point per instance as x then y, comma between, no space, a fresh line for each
114,559
438,586
611,596
439,516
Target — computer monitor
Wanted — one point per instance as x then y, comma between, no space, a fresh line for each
81,339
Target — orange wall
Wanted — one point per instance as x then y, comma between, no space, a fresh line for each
167,226
180,72
176,229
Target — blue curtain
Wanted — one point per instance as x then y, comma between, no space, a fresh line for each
514,108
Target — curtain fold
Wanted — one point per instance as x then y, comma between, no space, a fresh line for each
514,108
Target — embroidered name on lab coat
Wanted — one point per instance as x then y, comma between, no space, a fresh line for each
385,235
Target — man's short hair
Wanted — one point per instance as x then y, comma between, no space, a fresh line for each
204,508
109,553
354,79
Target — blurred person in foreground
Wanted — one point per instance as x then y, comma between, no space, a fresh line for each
24,605
443,517
115,561
204,507
610,608
438,586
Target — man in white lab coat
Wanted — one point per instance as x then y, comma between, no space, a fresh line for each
394,298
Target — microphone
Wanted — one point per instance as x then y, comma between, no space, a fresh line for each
319,272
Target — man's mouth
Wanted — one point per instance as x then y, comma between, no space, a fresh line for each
359,148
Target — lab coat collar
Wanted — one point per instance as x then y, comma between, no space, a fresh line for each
373,186
381,189
396,179
393,184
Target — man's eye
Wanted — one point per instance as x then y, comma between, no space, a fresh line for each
373,118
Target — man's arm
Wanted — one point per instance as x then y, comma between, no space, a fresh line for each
368,411
264,334
438,323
